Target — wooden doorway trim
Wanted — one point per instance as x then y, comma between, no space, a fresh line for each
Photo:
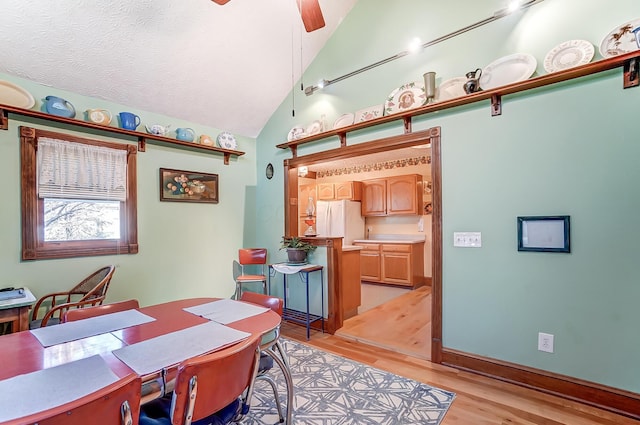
431,136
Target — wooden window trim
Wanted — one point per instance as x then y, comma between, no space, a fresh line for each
32,209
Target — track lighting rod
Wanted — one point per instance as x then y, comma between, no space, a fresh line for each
309,90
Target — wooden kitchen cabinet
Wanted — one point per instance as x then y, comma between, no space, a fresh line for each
397,195
396,264
351,191
370,261
350,283
374,197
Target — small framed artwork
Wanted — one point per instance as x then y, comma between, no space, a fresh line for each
188,186
544,233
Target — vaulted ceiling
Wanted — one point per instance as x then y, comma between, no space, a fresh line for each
226,66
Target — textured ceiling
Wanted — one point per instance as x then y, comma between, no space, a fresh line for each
227,66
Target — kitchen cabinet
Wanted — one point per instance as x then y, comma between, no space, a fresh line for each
351,191
392,263
397,195
370,261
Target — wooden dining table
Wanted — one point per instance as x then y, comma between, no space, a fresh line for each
22,352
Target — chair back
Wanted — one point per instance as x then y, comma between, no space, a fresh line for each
116,404
274,303
92,289
252,256
206,384
80,313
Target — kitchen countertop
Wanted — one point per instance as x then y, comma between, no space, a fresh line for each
351,248
383,238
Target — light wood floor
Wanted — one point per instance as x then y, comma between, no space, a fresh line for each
479,400
402,325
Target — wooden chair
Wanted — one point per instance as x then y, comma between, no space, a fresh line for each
98,310
92,290
216,387
271,350
116,404
249,257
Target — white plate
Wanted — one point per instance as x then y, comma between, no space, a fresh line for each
508,69
369,113
13,95
569,54
227,140
344,120
450,89
314,128
296,133
405,97
620,40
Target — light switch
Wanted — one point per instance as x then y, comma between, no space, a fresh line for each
467,239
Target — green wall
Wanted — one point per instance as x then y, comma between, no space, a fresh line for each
186,249
565,149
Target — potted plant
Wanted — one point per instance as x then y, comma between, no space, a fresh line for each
297,249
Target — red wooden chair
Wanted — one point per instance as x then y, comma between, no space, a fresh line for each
249,257
216,387
116,404
271,350
98,310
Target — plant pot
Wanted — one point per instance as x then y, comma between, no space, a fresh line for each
296,255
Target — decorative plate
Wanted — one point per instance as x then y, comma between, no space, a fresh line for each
621,40
314,128
405,97
369,113
13,95
344,120
227,140
450,89
508,69
296,133
569,54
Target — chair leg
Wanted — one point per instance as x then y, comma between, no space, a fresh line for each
238,293
283,364
276,395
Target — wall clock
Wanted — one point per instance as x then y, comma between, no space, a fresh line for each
269,171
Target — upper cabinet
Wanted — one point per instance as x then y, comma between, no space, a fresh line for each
351,191
398,195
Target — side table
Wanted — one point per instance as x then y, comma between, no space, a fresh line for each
305,318
16,311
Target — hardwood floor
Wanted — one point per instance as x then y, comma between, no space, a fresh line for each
479,400
402,325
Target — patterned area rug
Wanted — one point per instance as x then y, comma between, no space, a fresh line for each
332,390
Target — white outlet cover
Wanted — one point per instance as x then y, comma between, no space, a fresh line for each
545,342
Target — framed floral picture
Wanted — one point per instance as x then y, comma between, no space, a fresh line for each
188,186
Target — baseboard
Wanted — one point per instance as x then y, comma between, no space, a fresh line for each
601,396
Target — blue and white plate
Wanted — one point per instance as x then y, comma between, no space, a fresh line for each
227,140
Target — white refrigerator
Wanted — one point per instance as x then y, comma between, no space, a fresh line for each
340,219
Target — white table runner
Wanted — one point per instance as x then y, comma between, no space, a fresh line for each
71,331
226,311
290,268
166,350
26,394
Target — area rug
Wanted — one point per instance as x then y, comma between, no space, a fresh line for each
332,390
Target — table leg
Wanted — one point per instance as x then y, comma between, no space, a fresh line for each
308,318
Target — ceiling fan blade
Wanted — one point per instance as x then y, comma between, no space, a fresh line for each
220,2
311,14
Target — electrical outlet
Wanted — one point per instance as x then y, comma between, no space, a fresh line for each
545,342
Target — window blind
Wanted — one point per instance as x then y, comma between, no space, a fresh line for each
80,171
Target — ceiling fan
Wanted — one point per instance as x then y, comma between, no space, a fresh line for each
309,10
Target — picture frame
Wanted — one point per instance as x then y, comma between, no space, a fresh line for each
188,186
544,233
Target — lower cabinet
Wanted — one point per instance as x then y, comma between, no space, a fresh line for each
396,264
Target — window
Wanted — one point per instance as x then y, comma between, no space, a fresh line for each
78,196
